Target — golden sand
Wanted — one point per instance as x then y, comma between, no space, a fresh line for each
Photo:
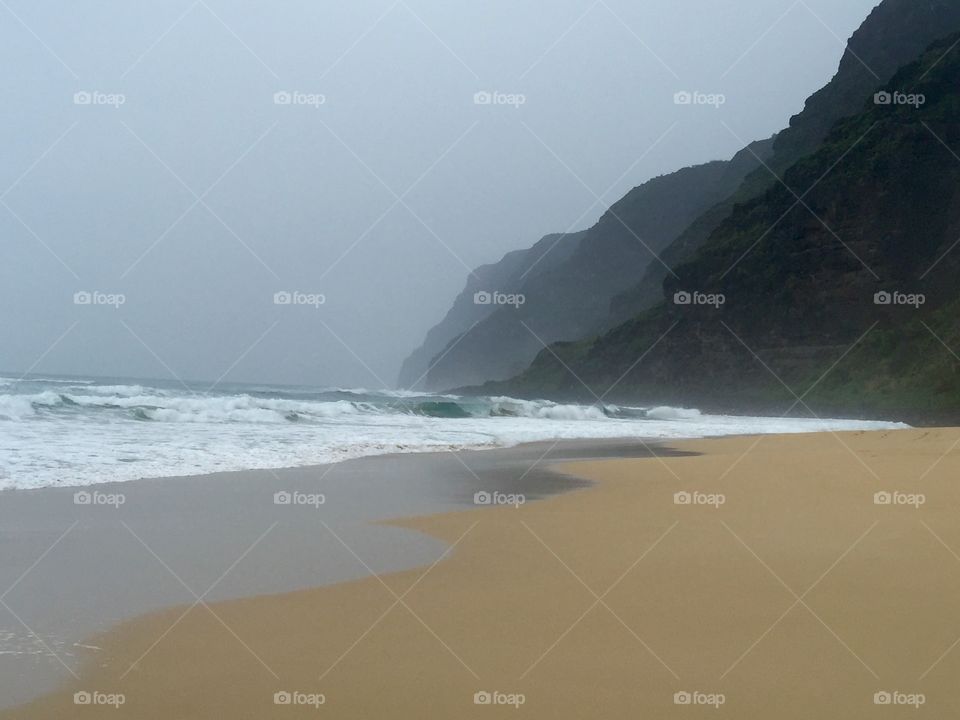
782,590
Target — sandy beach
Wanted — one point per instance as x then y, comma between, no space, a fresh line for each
421,361
71,570
771,577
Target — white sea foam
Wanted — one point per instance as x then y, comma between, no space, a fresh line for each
124,431
122,390
15,407
546,410
672,413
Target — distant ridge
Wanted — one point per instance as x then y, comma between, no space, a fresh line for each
894,34
567,284
845,302
506,276
608,274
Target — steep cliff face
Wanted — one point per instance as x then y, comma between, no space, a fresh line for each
894,34
567,288
847,298
465,313
649,291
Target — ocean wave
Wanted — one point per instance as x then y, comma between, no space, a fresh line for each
239,408
15,407
411,394
164,408
625,412
673,413
121,431
122,390
152,404
441,409
58,381
543,409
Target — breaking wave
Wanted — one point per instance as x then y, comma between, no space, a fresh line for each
143,403
116,430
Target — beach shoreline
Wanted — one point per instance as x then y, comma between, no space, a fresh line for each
781,586
142,546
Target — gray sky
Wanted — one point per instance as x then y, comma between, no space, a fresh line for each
199,196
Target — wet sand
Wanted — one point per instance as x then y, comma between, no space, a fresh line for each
87,567
776,584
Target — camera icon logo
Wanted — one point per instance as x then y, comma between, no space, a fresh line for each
882,498
682,298
682,698
282,298
282,498
282,698
883,98
482,98
82,498
82,98
482,298
682,98
282,98
882,298
682,498
82,698
482,698
482,498
882,698
82,298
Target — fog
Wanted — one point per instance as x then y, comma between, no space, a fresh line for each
173,173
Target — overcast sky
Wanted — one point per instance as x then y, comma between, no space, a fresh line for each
176,179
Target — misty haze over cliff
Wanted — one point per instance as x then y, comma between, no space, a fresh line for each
150,156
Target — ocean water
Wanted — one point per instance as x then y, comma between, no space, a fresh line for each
62,431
